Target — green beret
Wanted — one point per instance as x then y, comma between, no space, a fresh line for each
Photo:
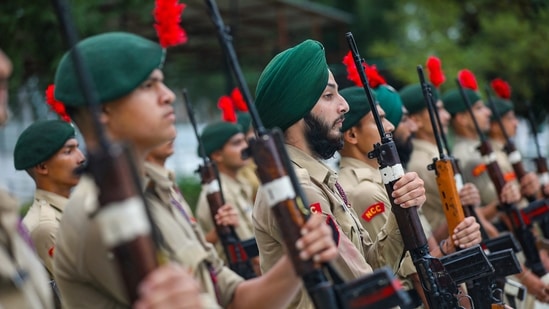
40,141
118,63
413,99
358,106
502,107
216,134
291,84
244,120
453,102
390,101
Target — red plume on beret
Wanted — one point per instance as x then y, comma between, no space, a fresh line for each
467,79
238,100
167,16
56,106
501,88
225,104
436,75
374,79
230,105
352,73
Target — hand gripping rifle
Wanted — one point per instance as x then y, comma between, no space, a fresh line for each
540,160
520,223
283,193
124,220
514,156
440,289
232,246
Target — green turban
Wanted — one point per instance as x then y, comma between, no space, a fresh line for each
413,99
244,120
118,63
358,106
40,141
291,84
215,135
390,101
502,107
453,102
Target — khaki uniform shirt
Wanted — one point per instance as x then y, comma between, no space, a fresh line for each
471,164
23,280
248,172
238,194
42,221
423,155
354,243
368,197
86,271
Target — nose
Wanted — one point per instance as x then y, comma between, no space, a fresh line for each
81,157
344,106
167,95
388,126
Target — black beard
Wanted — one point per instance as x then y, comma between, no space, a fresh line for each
317,136
404,149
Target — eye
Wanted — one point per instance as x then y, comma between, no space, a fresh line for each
329,95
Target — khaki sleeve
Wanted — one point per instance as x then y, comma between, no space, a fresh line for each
228,281
203,213
43,237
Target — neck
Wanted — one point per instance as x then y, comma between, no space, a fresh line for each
64,191
425,136
295,136
352,151
227,171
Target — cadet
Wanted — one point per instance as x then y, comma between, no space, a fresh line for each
23,280
424,150
48,152
297,93
136,107
223,143
361,175
466,141
529,183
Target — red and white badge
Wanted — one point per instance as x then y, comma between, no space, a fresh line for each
315,208
373,210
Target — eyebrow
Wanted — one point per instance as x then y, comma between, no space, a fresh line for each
331,85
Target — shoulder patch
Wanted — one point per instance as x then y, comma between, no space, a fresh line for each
315,208
373,210
50,251
510,176
479,169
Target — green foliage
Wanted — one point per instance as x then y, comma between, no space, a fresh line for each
190,188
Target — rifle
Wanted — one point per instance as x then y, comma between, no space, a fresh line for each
514,156
288,203
443,166
120,198
519,226
237,257
439,288
540,160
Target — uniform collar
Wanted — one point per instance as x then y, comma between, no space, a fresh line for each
424,146
361,169
55,200
160,180
316,169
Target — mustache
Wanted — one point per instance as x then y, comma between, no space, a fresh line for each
340,118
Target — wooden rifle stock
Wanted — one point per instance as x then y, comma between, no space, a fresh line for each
443,166
123,218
